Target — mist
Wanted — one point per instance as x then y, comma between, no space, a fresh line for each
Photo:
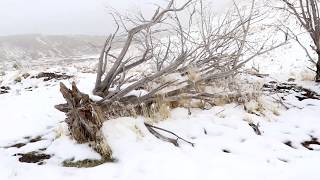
68,17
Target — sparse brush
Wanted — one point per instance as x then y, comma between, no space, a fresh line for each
187,67
275,111
306,76
193,74
16,66
261,107
157,111
163,111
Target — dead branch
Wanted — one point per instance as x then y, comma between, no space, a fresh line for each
307,14
162,137
255,128
187,64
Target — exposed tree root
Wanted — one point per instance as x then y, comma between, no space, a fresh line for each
84,119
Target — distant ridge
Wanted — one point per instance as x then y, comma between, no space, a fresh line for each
37,46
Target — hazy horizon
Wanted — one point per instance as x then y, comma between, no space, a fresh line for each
61,17
67,17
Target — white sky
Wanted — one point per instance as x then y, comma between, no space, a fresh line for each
64,16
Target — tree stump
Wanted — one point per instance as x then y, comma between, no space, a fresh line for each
84,119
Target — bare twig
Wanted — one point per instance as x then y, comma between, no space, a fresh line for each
158,135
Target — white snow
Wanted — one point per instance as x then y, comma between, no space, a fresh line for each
226,147
142,156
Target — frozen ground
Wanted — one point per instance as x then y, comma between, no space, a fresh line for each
226,147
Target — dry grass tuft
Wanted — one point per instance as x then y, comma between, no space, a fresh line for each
306,76
87,163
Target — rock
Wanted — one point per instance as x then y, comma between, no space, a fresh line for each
32,157
25,75
18,79
291,80
5,88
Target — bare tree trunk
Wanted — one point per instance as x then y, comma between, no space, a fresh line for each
317,78
308,15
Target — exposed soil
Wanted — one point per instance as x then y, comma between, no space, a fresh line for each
21,144
289,143
35,139
287,88
33,157
3,92
308,94
18,145
4,89
49,76
29,88
87,163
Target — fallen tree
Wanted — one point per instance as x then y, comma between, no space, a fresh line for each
189,57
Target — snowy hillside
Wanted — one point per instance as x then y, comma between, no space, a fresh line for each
32,47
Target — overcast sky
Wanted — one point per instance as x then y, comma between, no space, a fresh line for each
64,16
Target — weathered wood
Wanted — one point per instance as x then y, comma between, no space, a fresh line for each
84,119
202,62
152,130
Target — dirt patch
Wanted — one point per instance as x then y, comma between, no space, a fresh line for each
33,157
25,75
289,143
287,88
18,145
87,163
21,144
3,92
35,139
37,156
4,89
308,94
49,76
30,88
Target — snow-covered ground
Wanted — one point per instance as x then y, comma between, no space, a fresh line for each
226,146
